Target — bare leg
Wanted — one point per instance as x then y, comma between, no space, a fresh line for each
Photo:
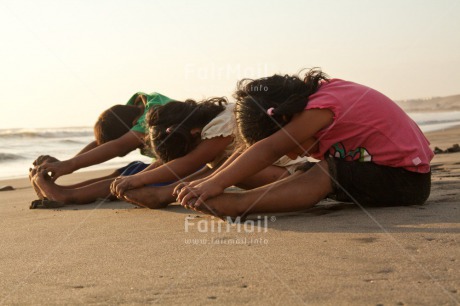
160,197
83,195
267,176
113,175
295,193
151,197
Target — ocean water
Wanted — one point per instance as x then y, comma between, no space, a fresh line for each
436,121
20,147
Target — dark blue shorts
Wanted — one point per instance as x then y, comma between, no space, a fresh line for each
132,168
136,167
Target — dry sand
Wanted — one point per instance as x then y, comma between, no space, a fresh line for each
335,254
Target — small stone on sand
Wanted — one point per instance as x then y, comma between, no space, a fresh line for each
6,188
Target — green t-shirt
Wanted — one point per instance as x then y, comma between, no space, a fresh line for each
153,98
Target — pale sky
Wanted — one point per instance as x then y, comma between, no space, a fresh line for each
63,62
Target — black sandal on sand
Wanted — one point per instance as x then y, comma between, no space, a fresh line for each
45,203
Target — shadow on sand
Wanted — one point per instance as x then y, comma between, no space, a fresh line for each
439,215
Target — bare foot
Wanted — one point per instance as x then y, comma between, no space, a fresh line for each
47,187
44,158
150,197
225,205
32,173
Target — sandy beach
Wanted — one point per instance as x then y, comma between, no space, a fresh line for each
335,254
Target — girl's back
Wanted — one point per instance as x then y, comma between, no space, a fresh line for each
368,126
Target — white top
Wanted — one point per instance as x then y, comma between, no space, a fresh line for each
223,125
290,164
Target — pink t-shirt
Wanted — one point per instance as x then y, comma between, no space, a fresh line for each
368,126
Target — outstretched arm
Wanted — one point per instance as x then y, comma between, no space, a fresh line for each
118,147
50,159
176,169
47,158
88,147
260,155
227,163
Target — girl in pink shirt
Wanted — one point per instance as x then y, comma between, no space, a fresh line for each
370,151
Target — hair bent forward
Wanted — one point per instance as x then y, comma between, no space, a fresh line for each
170,125
115,122
265,105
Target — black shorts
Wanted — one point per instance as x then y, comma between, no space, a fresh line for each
370,184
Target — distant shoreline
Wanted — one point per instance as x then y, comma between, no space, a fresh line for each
427,110
435,104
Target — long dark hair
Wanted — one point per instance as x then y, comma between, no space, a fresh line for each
286,94
115,122
170,125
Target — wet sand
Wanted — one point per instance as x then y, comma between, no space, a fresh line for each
334,254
